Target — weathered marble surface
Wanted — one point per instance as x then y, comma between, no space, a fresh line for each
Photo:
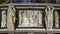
30,18
30,33
56,19
49,17
3,22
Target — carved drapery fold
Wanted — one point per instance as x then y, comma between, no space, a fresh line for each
30,18
49,17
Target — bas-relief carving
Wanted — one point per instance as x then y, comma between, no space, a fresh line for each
30,18
3,22
56,19
33,18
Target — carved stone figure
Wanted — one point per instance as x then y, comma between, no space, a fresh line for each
30,18
56,19
3,22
